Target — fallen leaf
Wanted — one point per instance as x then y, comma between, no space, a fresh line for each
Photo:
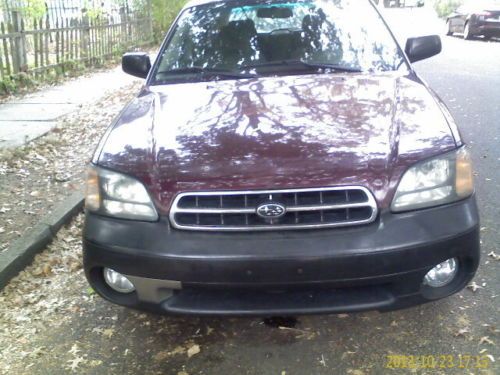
492,254
160,356
47,270
195,349
178,350
486,340
75,362
462,332
38,352
95,362
37,271
473,286
74,350
108,332
322,361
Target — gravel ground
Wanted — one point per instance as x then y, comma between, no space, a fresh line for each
38,176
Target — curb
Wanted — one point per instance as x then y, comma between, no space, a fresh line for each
22,251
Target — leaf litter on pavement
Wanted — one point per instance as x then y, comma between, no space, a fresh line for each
33,180
36,177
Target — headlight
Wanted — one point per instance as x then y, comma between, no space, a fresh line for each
114,194
440,180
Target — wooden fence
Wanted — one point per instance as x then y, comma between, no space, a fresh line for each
36,46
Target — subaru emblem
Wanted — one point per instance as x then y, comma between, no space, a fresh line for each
271,210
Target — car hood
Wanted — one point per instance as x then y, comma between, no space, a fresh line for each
277,133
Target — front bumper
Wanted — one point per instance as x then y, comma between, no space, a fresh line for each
376,266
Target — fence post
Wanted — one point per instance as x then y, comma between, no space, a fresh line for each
85,40
124,24
19,60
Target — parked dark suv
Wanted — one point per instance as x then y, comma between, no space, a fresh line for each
282,158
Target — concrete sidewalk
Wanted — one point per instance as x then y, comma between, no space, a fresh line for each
30,117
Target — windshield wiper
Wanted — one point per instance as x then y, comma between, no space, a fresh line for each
309,65
207,71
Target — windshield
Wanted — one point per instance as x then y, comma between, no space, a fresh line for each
223,39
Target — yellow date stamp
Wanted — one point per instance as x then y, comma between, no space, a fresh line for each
443,361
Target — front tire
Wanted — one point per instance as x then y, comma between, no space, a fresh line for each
467,32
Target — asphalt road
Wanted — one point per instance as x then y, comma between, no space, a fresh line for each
85,334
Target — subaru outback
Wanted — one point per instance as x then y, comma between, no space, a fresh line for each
282,157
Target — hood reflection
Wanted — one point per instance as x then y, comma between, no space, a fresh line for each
293,132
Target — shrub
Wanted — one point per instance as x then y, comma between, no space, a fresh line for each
164,12
445,7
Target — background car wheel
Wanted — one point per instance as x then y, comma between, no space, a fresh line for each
467,33
448,28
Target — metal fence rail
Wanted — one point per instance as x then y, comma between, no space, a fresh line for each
45,45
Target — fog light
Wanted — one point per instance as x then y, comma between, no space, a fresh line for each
117,281
442,274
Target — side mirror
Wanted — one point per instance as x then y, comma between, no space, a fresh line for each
136,64
423,47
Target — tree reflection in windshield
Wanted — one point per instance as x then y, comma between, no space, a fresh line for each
232,35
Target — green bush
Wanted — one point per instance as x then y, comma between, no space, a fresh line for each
164,12
445,7
7,86
33,9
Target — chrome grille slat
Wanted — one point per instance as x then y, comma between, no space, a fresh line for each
326,207
304,208
217,210
252,210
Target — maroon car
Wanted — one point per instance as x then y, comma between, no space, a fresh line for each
283,157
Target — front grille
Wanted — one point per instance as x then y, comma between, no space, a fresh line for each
287,209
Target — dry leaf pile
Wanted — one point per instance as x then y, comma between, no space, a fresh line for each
42,297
